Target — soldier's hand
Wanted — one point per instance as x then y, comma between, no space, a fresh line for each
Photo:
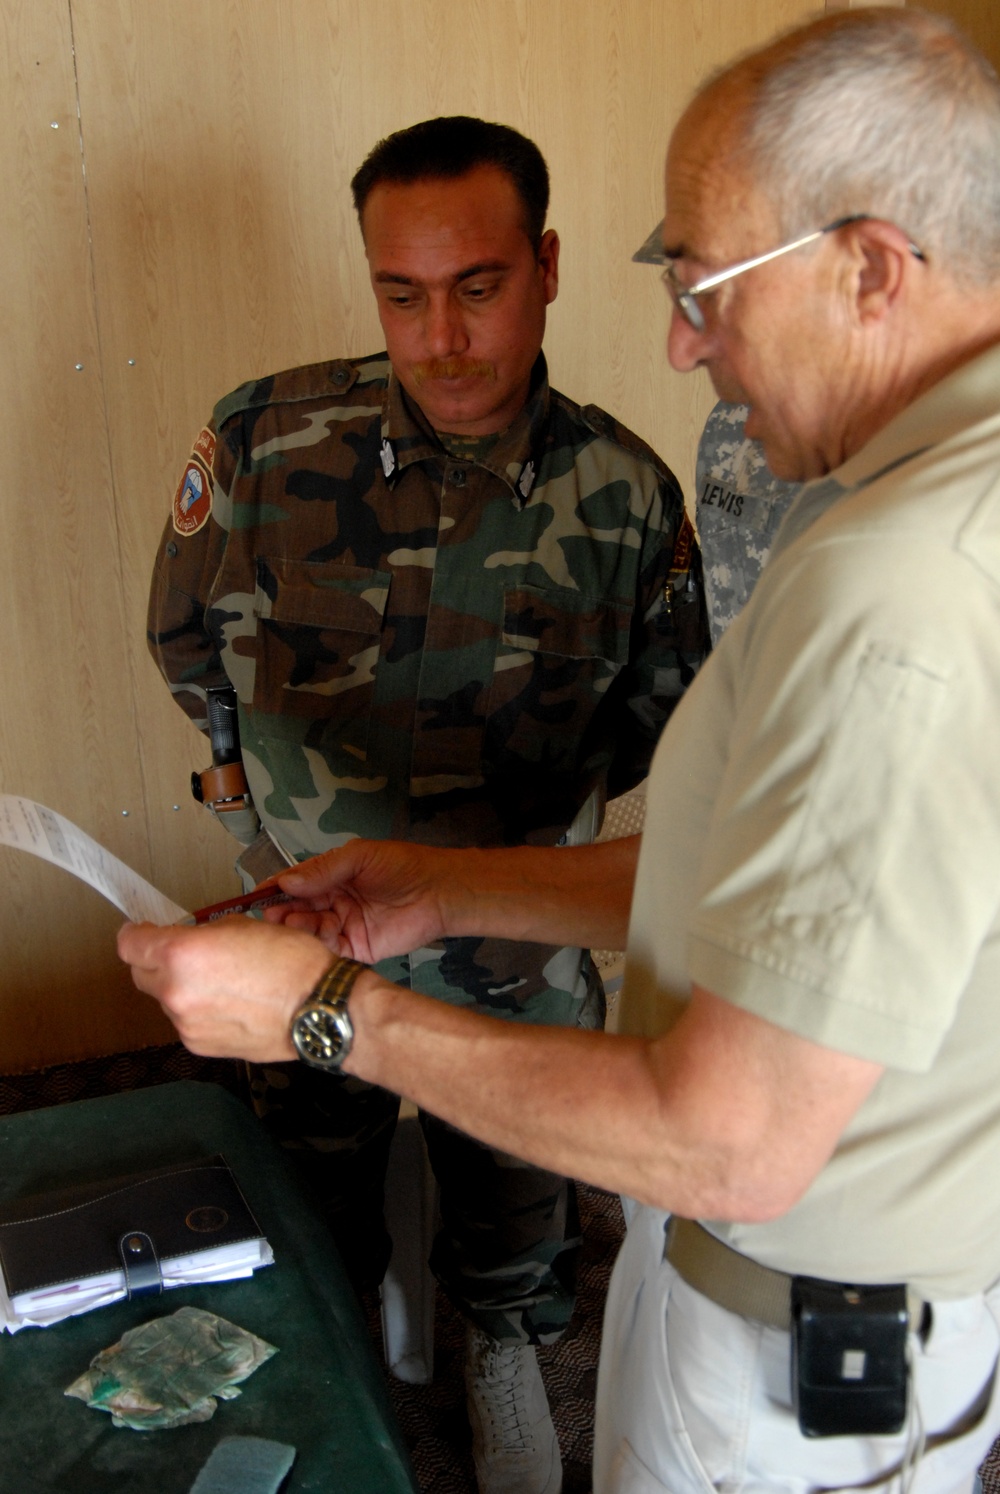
231,987
369,899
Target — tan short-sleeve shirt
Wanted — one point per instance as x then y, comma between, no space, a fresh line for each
822,845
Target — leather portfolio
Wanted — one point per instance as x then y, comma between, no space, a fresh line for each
75,1233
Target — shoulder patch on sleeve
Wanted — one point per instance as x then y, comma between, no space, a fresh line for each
193,499
204,447
684,547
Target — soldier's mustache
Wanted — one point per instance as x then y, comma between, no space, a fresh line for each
453,368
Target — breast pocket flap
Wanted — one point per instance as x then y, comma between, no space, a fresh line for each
322,594
569,626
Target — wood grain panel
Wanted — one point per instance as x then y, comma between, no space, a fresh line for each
979,19
219,139
215,240
67,730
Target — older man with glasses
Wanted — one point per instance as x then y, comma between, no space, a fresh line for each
808,1080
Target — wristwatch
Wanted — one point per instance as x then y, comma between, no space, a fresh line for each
322,1031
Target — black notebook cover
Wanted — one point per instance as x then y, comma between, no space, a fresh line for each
50,1238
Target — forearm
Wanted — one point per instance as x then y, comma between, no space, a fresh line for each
724,1116
579,895
561,1098
373,899
711,1121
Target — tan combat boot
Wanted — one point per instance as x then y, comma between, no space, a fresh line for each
514,1443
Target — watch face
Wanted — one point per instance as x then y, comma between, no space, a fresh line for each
322,1035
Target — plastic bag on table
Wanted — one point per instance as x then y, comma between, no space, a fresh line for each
171,1371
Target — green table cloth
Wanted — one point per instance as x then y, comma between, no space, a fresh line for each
323,1392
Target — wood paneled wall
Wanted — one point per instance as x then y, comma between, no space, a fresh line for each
979,19
176,219
68,733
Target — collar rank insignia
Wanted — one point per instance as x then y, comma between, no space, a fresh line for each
526,481
388,458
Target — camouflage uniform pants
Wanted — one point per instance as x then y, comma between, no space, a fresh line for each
507,1250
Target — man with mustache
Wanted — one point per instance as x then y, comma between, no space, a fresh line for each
456,609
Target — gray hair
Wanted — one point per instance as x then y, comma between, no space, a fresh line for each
888,112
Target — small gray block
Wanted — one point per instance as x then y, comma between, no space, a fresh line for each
245,1465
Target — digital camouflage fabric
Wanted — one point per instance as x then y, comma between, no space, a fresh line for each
740,505
429,647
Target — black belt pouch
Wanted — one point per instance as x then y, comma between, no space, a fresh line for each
849,1373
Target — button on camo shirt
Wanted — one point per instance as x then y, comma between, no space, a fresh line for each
429,647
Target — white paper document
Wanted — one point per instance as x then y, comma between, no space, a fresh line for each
28,826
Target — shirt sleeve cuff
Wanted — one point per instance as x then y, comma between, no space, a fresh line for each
803,1002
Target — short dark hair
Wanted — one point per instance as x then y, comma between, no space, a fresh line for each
450,146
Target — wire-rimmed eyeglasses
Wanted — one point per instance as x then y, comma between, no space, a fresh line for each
684,297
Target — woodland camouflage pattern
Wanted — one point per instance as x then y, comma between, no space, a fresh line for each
454,647
740,505
508,1251
428,654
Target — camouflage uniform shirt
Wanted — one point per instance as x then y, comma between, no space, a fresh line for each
425,646
740,505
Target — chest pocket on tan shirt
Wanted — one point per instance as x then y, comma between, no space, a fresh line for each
319,627
558,654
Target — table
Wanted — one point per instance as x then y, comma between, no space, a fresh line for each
323,1392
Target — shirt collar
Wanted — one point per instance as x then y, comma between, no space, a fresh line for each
969,394
407,436
965,397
